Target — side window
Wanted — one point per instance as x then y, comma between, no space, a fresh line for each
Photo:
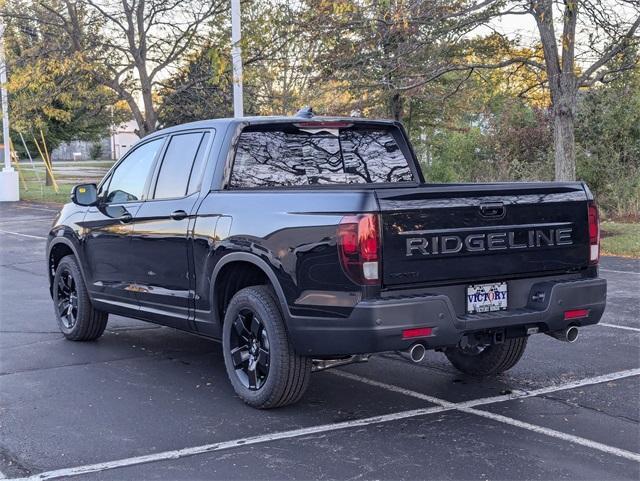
128,180
198,166
182,160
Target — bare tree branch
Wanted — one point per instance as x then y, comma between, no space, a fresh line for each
613,50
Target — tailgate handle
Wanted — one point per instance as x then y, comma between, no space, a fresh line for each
492,209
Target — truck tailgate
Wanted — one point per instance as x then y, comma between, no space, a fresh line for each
436,233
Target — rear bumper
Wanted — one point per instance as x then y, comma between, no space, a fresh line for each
377,325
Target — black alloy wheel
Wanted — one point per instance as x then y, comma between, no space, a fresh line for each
67,299
249,345
77,319
263,367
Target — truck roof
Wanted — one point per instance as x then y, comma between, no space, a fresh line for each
258,120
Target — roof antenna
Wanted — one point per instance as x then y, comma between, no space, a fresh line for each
305,112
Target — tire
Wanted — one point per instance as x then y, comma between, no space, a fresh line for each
76,316
493,359
261,364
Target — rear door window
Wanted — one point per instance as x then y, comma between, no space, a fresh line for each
198,166
182,161
297,156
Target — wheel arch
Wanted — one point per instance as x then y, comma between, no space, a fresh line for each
58,248
255,271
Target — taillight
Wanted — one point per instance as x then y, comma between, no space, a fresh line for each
594,234
359,248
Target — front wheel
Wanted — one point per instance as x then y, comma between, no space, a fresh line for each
488,360
261,364
77,319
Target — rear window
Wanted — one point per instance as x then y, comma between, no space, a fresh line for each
313,155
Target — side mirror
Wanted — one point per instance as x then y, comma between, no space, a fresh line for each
84,194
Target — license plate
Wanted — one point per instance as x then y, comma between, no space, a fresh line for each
487,297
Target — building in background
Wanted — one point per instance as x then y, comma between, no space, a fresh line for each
82,150
121,138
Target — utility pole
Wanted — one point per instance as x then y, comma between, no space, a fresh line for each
9,187
236,56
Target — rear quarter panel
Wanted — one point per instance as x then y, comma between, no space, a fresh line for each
292,232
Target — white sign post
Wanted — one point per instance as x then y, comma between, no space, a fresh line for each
236,56
9,187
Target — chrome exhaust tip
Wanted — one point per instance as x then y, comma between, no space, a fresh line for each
570,334
415,353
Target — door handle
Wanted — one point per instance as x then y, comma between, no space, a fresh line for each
178,215
125,218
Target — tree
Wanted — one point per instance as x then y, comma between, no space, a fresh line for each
390,52
133,43
52,87
611,34
201,89
400,53
59,97
278,59
280,55
608,143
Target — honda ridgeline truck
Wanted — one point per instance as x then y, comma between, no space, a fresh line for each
307,242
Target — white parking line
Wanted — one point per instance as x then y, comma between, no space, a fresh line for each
620,272
208,448
555,434
589,381
467,407
515,394
22,220
443,406
37,208
619,326
22,235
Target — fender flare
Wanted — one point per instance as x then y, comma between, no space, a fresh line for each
68,243
260,264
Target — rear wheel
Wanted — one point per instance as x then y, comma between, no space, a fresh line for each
261,364
76,316
487,360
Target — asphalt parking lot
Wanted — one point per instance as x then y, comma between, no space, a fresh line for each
148,402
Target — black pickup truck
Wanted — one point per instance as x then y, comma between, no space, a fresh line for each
307,242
